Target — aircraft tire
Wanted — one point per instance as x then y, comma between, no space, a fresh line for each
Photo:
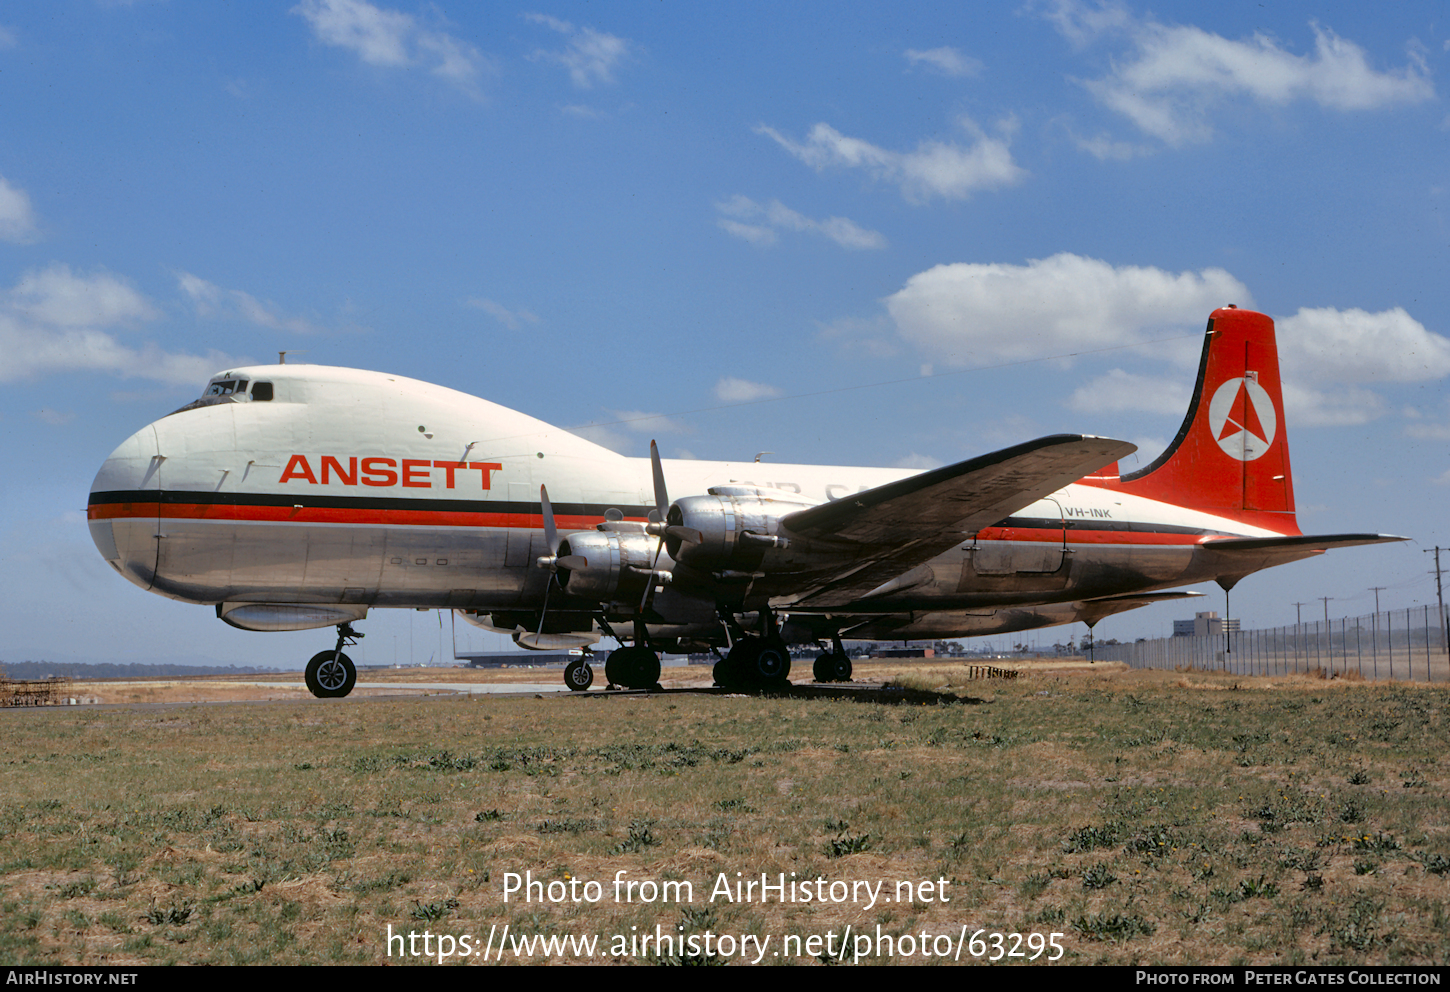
612,667
841,667
330,675
771,665
724,672
824,668
733,672
632,667
578,675
646,669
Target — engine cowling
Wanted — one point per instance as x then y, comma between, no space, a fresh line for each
619,565
737,526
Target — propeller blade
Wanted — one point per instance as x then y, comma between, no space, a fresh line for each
662,498
551,533
571,562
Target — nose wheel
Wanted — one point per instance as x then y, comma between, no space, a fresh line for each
578,675
331,674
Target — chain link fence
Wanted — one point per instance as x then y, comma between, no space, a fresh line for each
1408,644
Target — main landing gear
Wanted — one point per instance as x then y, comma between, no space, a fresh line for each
756,661
635,666
833,666
331,674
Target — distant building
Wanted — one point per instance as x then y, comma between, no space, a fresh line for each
1206,624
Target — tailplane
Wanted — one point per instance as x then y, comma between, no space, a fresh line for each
1231,456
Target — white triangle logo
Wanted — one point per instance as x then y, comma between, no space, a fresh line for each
1243,425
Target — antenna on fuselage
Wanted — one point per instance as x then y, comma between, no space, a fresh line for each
282,355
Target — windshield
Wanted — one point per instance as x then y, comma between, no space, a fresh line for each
225,387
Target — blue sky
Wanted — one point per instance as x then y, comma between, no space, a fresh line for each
849,234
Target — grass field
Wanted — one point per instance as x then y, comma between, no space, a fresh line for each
1146,817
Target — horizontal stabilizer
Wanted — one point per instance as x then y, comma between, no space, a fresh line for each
1303,543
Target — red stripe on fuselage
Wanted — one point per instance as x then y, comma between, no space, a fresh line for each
336,515
534,521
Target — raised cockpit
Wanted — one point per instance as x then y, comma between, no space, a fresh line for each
229,388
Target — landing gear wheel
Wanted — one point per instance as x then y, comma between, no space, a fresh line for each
633,667
832,667
772,663
578,676
330,675
734,671
754,663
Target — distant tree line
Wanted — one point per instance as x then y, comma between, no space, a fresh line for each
33,670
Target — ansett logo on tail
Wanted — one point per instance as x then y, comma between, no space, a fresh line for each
1242,418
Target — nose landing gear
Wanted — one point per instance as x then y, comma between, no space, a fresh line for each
331,674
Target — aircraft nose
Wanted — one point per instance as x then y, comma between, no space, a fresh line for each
123,508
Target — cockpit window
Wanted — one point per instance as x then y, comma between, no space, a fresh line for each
261,391
226,387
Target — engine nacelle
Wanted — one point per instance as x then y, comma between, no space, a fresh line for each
619,565
737,524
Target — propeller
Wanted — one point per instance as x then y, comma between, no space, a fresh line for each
659,525
552,562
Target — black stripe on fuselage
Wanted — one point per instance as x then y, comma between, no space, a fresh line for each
1098,524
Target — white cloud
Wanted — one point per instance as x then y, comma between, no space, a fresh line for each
733,390
214,302
1432,432
753,233
1356,346
935,169
945,60
1176,74
509,318
394,40
923,462
1119,391
17,220
965,313
778,216
649,423
1305,406
591,56
54,320
56,418
1104,148
1082,23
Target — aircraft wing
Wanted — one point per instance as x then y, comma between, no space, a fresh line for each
885,531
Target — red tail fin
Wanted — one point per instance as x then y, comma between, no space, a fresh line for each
1231,455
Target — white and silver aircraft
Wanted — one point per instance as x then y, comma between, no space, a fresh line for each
296,496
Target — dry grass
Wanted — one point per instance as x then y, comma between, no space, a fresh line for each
1148,817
